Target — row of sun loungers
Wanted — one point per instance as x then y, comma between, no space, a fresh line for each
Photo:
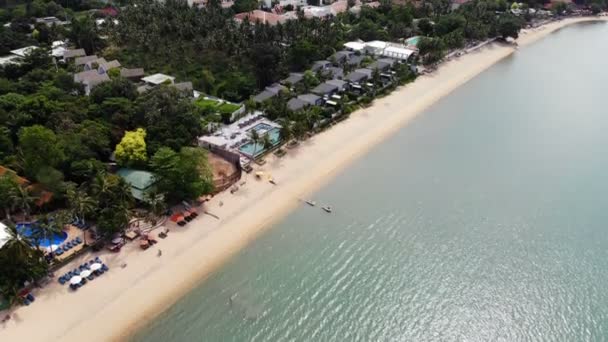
250,121
79,224
84,267
67,246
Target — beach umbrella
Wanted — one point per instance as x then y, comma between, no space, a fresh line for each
75,280
85,273
95,266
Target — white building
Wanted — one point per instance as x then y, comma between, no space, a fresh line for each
158,79
381,49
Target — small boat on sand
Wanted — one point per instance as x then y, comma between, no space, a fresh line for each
327,209
311,203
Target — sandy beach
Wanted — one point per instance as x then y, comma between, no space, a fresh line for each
123,300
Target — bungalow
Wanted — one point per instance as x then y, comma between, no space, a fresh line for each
367,72
185,87
268,93
141,182
85,59
325,89
333,72
158,79
356,77
107,66
90,79
341,85
320,65
94,64
311,99
132,74
380,65
293,79
296,104
355,46
302,101
68,54
355,60
342,56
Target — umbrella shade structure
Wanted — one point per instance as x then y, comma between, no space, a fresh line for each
85,273
75,280
96,266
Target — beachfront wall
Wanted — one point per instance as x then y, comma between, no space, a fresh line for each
233,159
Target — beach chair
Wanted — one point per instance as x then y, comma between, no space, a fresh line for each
58,251
78,239
26,302
105,267
91,277
61,280
30,297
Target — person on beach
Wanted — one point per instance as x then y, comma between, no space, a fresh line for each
160,252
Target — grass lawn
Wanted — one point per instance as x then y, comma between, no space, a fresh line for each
226,108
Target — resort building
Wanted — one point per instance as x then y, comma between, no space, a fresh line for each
265,17
333,72
141,182
236,137
158,79
73,53
342,85
341,57
90,79
382,49
320,65
293,79
270,92
325,89
132,74
85,59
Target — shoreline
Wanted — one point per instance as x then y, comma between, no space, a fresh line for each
119,303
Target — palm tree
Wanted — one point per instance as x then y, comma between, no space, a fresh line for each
157,206
267,142
286,130
44,230
255,138
20,262
81,205
23,199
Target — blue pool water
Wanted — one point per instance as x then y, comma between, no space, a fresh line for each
56,239
249,148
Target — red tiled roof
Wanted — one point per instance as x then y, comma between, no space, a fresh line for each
261,16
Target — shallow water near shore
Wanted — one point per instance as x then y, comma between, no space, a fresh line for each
484,219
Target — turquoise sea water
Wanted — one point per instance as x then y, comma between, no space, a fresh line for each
485,219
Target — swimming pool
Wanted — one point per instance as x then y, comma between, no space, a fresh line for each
413,40
249,148
25,228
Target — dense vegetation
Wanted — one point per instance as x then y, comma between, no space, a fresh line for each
67,143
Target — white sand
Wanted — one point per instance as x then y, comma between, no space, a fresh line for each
113,306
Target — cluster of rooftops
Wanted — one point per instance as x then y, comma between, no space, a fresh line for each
386,54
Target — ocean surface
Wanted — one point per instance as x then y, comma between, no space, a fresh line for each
485,219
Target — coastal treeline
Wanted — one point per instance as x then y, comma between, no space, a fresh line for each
233,60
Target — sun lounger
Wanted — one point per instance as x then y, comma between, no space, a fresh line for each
61,280
26,302
105,267
91,277
30,297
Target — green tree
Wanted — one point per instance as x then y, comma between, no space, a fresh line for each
8,190
19,262
182,176
80,205
23,199
509,26
40,148
114,201
131,151
244,6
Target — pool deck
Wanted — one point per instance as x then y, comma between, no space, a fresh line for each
73,232
231,137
